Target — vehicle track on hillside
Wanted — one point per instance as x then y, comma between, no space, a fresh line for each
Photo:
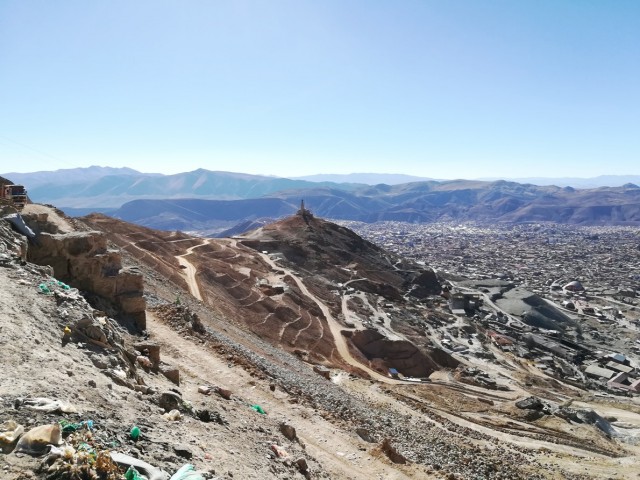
334,327
190,270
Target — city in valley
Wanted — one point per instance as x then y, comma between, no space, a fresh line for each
562,296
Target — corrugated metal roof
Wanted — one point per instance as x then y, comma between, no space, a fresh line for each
599,371
619,367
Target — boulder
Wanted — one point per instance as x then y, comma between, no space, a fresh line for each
172,373
288,431
530,403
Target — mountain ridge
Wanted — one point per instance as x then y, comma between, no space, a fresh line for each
422,202
106,187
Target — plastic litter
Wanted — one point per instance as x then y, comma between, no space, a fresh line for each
173,416
68,427
204,389
258,409
134,433
35,441
10,431
132,474
279,451
149,471
17,221
187,472
48,287
48,405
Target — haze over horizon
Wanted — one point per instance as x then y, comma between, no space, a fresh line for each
456,89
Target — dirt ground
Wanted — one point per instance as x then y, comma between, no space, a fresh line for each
441,429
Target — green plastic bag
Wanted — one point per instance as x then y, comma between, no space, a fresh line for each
68,427
187,472
134,433
132,474
258,409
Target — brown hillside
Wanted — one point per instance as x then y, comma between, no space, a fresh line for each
193,380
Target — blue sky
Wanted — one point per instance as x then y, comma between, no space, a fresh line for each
442,89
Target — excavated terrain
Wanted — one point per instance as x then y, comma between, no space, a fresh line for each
276,321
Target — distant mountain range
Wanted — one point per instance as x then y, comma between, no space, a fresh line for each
576,182
212,202
425,202
365,178
100,188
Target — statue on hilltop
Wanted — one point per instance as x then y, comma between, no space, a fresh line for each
303,212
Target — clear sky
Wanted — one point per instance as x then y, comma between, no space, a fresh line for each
443,89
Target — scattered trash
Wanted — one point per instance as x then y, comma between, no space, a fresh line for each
55,452
187,472
85,447
68,427
132,474
48,405
83,463
35,441
173,416
149,471
134,433
10,431
258,409
47,288
279,451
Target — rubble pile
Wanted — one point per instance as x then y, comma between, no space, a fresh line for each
180,317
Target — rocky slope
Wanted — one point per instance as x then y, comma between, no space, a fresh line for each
204,410
240,276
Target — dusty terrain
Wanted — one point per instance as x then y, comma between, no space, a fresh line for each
242,337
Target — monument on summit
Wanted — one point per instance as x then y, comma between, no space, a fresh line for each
303,212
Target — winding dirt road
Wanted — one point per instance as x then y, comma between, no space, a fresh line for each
334,326
190,270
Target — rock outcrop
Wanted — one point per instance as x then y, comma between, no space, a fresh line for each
83,260
402,355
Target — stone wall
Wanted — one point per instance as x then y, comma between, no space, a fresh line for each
83,260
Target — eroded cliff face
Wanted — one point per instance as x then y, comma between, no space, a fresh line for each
410,360
83,260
